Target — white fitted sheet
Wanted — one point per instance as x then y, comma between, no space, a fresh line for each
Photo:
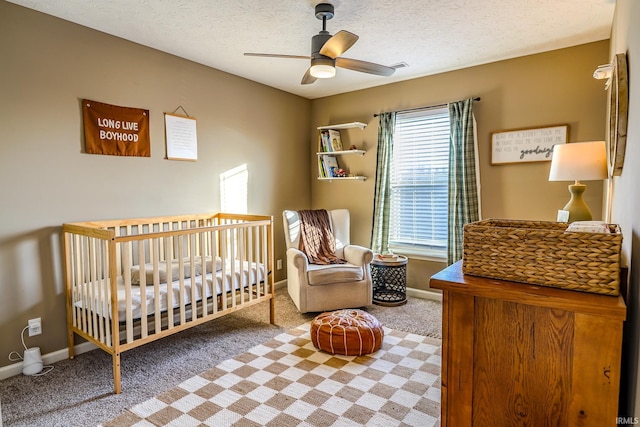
242,274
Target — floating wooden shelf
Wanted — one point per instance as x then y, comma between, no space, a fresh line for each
344,126
339,153
344,178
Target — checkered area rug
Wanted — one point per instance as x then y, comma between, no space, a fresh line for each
288,382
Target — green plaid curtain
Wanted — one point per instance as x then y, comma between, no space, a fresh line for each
382,200
463,182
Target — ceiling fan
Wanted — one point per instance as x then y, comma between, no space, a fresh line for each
326,51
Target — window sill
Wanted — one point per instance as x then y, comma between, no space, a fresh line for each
424,255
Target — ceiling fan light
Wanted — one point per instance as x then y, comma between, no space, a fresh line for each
322,68
322,71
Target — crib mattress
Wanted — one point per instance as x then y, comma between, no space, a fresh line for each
242,274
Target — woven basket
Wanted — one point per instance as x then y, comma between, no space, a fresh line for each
543,253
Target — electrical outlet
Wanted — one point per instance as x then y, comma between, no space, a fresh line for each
35,326
279,264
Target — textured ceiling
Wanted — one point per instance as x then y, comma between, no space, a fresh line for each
431,36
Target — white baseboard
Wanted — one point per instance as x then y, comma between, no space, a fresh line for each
420,293
47,359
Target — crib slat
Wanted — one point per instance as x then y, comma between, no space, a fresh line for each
126,273
143,289
181,278
232,252
94,287
203,278
168,244
191,240
91,264
250,261
225,267
104,291
99,285
239,238
259,255
156,284
80,282
255,259
89,287
214,274
100,277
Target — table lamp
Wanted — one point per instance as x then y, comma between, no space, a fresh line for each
578,161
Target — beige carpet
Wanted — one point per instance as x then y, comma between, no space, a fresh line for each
288,382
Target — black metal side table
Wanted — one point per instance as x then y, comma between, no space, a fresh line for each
389,277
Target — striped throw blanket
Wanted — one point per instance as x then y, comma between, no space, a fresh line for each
316,237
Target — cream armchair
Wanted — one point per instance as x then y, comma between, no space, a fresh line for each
314,287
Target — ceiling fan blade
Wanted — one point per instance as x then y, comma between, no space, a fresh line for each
307,79
364,66
275,55
338,44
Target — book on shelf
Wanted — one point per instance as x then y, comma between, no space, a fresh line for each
330,165
321,172
335,140
329,141
325,142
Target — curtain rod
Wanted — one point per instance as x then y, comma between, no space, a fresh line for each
477,98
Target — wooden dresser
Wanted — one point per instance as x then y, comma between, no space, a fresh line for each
522,355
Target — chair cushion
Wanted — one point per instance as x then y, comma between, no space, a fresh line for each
334,273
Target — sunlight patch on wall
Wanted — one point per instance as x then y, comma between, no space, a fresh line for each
233,190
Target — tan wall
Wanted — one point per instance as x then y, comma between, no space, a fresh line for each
48,65
626,200
539,90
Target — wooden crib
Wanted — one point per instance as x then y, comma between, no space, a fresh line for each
133,281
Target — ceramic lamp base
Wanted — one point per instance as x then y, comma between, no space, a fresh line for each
578,209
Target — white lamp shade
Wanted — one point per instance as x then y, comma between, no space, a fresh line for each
579,161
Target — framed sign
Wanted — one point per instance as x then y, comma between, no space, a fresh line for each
526,145
182,138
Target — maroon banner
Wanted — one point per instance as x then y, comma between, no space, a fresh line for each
118,131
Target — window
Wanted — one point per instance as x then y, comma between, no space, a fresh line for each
419,183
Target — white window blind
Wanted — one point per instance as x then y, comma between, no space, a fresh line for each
419,182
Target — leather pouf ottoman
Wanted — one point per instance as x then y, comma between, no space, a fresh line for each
349,332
